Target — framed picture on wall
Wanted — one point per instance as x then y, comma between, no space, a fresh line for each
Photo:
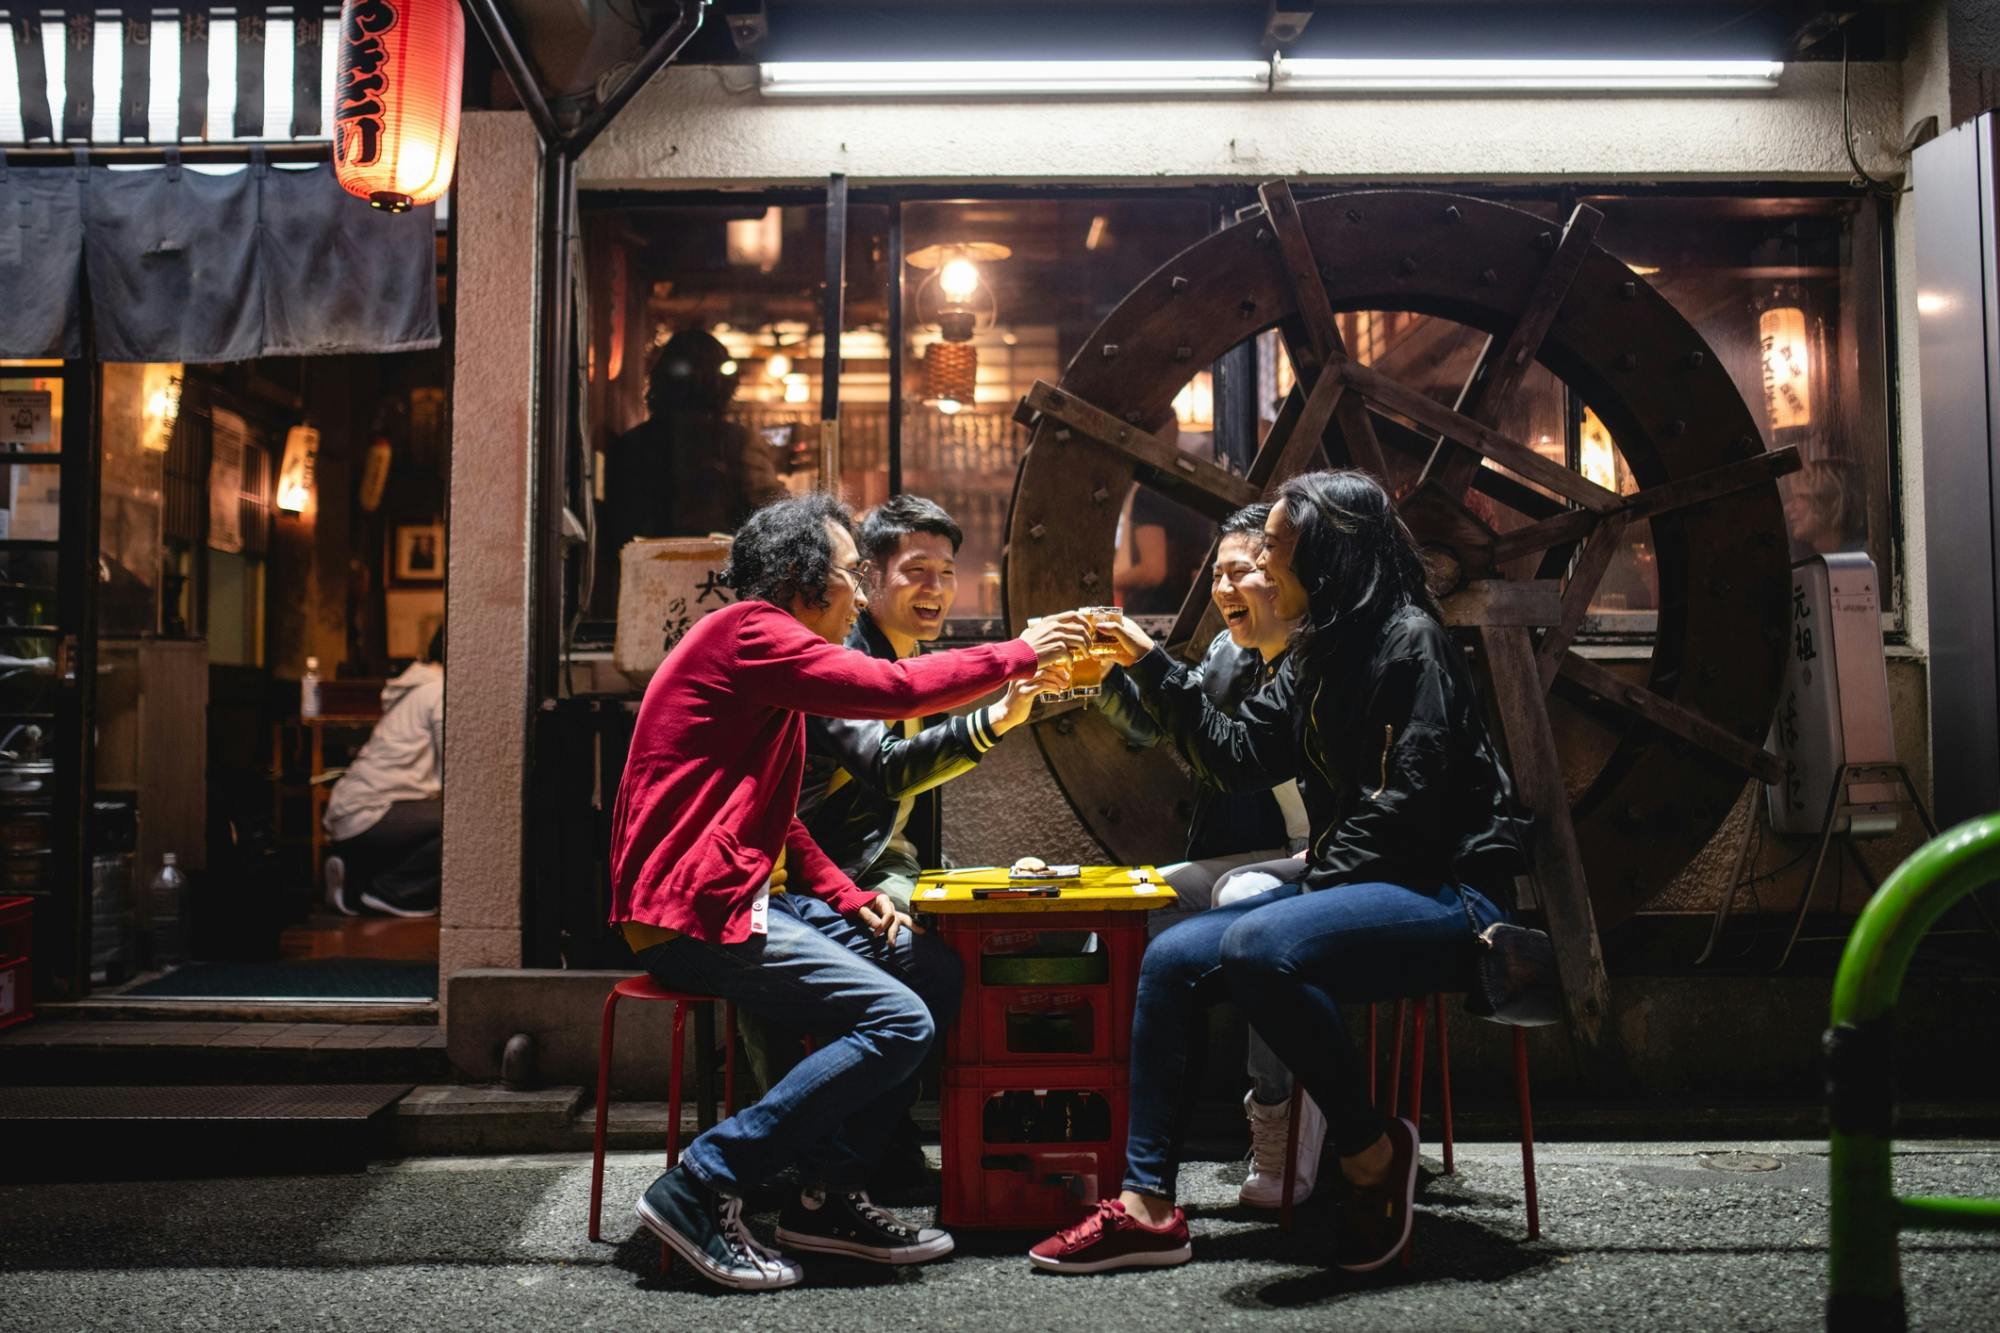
416,553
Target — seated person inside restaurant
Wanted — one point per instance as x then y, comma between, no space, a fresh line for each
705,838
385,817
1416,838
1248,830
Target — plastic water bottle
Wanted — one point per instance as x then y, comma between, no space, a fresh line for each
309,689
166,897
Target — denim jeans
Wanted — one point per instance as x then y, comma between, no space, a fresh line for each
872,1008
1289,958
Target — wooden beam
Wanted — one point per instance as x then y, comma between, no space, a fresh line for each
1716,482
1584,576
1509,453
1508,365
1328,350
1674,719
1203,486
1522,711
1504,604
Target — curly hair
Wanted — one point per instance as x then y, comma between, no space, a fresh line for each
783,551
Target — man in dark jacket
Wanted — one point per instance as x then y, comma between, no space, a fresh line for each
870,791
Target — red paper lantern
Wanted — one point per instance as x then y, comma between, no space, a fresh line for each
395,113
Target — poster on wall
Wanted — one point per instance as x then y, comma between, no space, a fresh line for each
412,617
225,481
665,585
25,418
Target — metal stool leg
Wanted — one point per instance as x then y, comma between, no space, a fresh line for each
674,1084
1416,1101
1396,1059
1444,1075
1527,1132
1291,1156
729,1058
603,1110
1373,1100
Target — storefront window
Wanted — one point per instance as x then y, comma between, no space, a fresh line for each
999,292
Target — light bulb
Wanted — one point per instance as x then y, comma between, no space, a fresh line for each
778,366
959,280
948,406
729,367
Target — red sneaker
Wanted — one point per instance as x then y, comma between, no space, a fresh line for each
1111,1238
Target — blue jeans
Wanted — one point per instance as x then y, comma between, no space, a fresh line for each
873,1009
1289,958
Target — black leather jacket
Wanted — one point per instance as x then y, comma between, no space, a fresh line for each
852,817
1399,775
1225,821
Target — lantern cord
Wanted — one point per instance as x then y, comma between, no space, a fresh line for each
1861,176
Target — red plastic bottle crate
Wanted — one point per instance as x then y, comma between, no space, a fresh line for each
16,971
1082,1017
1003,1173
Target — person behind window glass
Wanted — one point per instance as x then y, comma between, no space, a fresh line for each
687,470
1826,508
1163,547
386,815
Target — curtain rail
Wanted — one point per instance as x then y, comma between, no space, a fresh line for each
281,151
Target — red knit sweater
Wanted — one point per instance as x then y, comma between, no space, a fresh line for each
711,785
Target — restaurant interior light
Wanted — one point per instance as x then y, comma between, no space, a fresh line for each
1025,78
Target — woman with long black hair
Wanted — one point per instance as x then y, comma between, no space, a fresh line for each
1415,842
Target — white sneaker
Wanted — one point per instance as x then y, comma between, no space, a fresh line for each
336,886
1269,1127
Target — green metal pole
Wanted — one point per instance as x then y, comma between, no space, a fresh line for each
1865,1289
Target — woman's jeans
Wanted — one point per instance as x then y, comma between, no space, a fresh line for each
1289,958
874,1008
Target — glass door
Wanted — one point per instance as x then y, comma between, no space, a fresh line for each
47,656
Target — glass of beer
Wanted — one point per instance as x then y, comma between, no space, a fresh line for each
1086,673
1054,696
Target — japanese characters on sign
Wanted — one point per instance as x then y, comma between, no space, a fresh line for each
665,587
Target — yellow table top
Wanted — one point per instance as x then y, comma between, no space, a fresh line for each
1096,889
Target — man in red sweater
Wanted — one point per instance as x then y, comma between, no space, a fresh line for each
704,846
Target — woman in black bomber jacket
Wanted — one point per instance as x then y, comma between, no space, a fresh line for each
1415,840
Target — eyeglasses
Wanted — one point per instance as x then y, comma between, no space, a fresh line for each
858,571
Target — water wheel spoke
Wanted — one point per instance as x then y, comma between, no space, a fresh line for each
1584,577
1717,482
1509,453
1325,349
1197,483
1672,718
1506,367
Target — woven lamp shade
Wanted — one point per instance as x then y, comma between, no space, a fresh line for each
951,372
395,113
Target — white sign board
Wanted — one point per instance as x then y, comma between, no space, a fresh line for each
25,418
225,480
664,586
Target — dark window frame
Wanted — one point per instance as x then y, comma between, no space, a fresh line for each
1225,200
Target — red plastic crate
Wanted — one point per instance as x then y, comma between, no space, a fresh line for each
1000,1173
16,973
998,1020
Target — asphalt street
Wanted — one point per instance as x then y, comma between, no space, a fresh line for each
1636,1236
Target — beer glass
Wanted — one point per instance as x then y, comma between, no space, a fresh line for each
1086,673
1052,696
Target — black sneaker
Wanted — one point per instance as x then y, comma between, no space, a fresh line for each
851,1225
708,1231
1375,1221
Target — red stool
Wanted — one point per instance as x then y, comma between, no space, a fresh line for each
645,988
1417,1101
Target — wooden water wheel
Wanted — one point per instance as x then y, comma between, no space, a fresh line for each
1649,769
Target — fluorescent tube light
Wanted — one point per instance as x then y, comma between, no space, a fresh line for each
1333,76
1087,78
1010,78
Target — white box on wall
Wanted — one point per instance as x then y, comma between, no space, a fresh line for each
665,585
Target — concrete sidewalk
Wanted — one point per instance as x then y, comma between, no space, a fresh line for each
1679,1236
